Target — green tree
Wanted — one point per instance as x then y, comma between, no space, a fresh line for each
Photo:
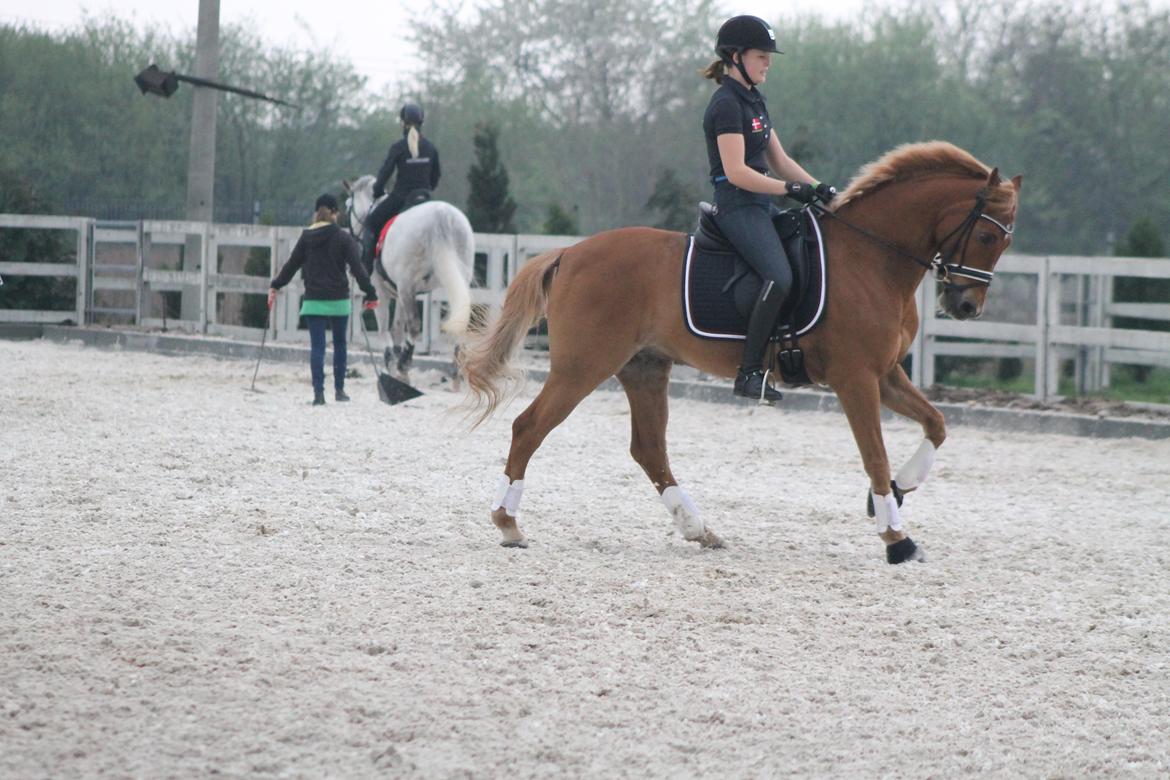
1142,240
489,206
673,202
558,222
42,293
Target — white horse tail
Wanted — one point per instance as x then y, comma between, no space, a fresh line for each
453,262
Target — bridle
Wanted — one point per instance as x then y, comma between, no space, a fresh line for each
942,265
350,214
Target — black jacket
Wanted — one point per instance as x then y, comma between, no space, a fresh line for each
410,173
321,255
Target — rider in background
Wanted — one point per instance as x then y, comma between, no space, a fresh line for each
414,163
741,148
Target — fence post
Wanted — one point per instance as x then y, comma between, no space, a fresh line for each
919,349
206,258
84,226
1040,369
1107,322
139,267
273,249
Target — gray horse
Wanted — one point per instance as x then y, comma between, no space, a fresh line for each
429,246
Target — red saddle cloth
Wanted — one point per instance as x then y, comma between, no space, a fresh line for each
382,235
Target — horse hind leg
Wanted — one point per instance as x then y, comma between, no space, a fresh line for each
559,396
645,378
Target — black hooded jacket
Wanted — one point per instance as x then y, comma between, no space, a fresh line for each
321,255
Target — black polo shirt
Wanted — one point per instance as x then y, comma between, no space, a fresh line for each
736,109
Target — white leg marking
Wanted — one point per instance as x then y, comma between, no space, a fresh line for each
913,472
685,513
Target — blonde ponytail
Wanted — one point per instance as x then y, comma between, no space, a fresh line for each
412,140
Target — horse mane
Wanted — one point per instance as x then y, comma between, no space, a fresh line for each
912,161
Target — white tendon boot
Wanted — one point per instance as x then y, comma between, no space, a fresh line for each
885,512
685,514
913,472
508,496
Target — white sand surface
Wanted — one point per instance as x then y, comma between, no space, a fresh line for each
197,581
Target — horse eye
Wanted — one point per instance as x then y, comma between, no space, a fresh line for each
987,239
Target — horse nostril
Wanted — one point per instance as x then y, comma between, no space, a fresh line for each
967,309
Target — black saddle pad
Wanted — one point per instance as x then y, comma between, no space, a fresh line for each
715,309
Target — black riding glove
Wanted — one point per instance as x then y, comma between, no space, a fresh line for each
800,191
825,192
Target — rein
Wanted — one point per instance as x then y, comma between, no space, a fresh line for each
942,266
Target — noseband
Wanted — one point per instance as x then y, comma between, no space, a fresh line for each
942,266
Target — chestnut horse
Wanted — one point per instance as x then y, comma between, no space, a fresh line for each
614,307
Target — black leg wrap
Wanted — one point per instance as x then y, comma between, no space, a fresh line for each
900,552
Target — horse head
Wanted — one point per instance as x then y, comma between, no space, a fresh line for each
360,201
970,241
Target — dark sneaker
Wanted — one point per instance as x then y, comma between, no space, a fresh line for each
752,385
318,398
340,396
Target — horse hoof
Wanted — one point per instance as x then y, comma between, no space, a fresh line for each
903,551
710,540
521,544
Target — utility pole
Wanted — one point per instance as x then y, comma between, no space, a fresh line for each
201,163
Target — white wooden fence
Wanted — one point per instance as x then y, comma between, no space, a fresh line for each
1069,315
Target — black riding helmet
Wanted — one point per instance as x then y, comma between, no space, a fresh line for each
411,114
740,33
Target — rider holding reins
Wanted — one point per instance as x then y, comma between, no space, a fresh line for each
741,148
414,163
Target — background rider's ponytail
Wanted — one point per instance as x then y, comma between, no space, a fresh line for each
412,140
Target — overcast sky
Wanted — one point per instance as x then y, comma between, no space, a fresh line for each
374,41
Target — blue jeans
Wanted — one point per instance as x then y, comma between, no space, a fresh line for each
317,325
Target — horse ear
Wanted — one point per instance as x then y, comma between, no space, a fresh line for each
1017,180
345,185
993,180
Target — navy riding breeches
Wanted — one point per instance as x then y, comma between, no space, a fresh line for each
750,230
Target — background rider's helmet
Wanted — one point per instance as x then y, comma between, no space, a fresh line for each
744,32
411,114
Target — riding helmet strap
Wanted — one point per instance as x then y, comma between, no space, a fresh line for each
742,70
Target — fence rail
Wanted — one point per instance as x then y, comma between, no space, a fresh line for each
1065,312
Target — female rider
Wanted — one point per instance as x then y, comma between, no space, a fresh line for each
414,163
741,148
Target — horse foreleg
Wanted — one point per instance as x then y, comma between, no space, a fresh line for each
382,311
860,398
645,379
900,395
402,346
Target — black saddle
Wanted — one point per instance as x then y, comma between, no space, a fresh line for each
720,288
415,197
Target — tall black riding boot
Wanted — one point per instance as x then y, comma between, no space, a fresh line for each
369,244
749,381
